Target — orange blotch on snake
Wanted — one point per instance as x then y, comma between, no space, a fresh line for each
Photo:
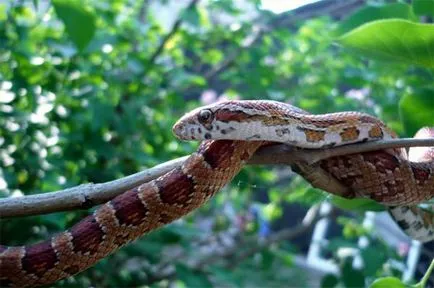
376,132
350,134
313,135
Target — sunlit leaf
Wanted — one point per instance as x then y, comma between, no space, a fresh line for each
357,204
393,40
372,13
387,282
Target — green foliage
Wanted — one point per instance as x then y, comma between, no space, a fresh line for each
401,41
423,7
372,13
79,22
90,90
387,282
416,110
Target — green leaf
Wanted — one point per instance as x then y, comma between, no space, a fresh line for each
352,277
357,204
191,278
393,40
423,7
374,258
372,13
79,22
329,281
191,16
416,110
387,282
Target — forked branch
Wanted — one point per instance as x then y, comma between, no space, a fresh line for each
88,195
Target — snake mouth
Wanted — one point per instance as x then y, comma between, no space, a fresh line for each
180,131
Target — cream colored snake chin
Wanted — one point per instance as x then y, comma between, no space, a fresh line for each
215,163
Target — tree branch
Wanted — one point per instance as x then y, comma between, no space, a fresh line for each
172,32
82,196
87,195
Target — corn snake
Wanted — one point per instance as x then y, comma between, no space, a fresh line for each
175,194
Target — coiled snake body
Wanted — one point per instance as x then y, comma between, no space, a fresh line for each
379,175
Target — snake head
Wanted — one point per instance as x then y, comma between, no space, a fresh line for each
232,120
196,125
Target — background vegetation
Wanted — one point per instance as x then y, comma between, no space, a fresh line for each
90,90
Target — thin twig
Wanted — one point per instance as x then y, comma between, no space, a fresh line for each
285,155
88,195
169,35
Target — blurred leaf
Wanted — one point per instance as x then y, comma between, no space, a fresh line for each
372,13
423,7
352,277
393,40
267,259
3,13
192,16
416,110
357,204
387,282
226,276
373,259
329,281
191,278
79,22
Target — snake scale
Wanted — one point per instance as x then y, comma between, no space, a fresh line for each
385,176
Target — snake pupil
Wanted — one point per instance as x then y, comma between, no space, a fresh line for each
205,116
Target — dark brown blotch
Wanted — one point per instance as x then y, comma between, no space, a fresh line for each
175,188
382,161
129,209
39,258
165,218
217,153
86,235
420,174
72,270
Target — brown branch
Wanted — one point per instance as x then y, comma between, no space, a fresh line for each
172,32
82,196
88,195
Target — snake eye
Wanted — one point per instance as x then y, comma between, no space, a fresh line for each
205,116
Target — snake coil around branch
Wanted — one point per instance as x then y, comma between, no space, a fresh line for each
231,132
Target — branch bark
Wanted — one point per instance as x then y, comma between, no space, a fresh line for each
88,195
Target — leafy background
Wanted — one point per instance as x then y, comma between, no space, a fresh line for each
90,90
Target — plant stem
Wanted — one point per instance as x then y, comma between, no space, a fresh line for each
424,280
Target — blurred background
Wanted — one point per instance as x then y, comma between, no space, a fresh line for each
89,91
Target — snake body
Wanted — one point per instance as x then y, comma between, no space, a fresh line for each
215,163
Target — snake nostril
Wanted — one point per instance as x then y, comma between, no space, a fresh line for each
178,129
